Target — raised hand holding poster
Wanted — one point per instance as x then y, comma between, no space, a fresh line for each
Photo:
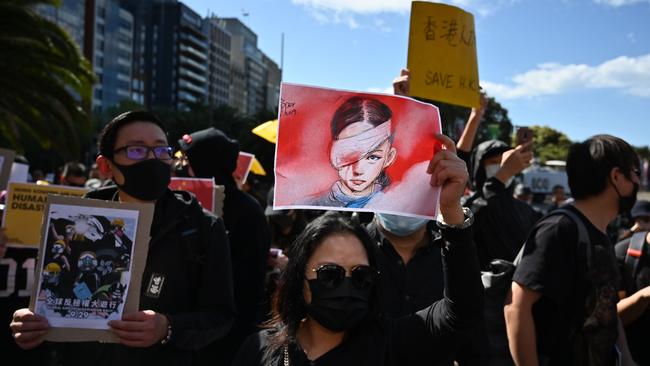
442,54
354,151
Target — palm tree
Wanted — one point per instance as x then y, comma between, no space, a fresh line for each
45,83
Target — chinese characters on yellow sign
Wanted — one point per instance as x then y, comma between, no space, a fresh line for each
442,54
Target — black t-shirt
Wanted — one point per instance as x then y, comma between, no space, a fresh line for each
407,288
574,304
637,332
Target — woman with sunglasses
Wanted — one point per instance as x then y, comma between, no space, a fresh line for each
326,306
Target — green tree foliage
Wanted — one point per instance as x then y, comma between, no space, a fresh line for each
550,144
45,84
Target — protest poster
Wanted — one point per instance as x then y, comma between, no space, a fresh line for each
89,271
202,188
355,151
6,161
244,164
442,54
24,210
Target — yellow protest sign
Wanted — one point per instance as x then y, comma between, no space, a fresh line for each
442,54
24,210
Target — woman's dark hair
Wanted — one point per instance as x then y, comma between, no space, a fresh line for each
590,163
289,307
108,135
357,109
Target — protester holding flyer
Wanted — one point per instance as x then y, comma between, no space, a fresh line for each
326,306
186,299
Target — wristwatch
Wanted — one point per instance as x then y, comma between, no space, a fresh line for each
469,220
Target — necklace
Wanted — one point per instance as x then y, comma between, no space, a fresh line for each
286,354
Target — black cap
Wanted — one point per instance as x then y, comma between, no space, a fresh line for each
641,209
211,153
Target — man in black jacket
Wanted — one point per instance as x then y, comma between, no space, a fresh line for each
187,256
212,154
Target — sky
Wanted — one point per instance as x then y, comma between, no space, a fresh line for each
579,66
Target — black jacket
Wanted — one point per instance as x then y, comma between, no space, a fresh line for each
501,224
190,249
250,241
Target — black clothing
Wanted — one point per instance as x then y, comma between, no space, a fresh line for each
637,332
425,337
212,154
190,249
250,241
501,223
407,288
578,305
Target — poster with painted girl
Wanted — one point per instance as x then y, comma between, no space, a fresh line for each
355,151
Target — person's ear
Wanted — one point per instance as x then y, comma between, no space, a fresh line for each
615,174
392,155
104,166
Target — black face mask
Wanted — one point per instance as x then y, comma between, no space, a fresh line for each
145,180
338,309
625,203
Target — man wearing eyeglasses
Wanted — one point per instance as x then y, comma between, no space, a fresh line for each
187,298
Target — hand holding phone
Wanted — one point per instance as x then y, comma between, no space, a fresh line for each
525,136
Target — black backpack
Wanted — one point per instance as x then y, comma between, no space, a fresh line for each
634,254
497,282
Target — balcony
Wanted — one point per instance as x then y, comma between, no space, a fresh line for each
191,51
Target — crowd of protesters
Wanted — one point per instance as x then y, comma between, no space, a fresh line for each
259,286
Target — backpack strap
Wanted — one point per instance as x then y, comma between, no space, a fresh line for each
635,252
583,234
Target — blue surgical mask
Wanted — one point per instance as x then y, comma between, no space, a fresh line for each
400,225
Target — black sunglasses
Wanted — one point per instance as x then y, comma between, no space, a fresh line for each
332,275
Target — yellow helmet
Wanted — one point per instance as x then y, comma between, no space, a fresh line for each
52,268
